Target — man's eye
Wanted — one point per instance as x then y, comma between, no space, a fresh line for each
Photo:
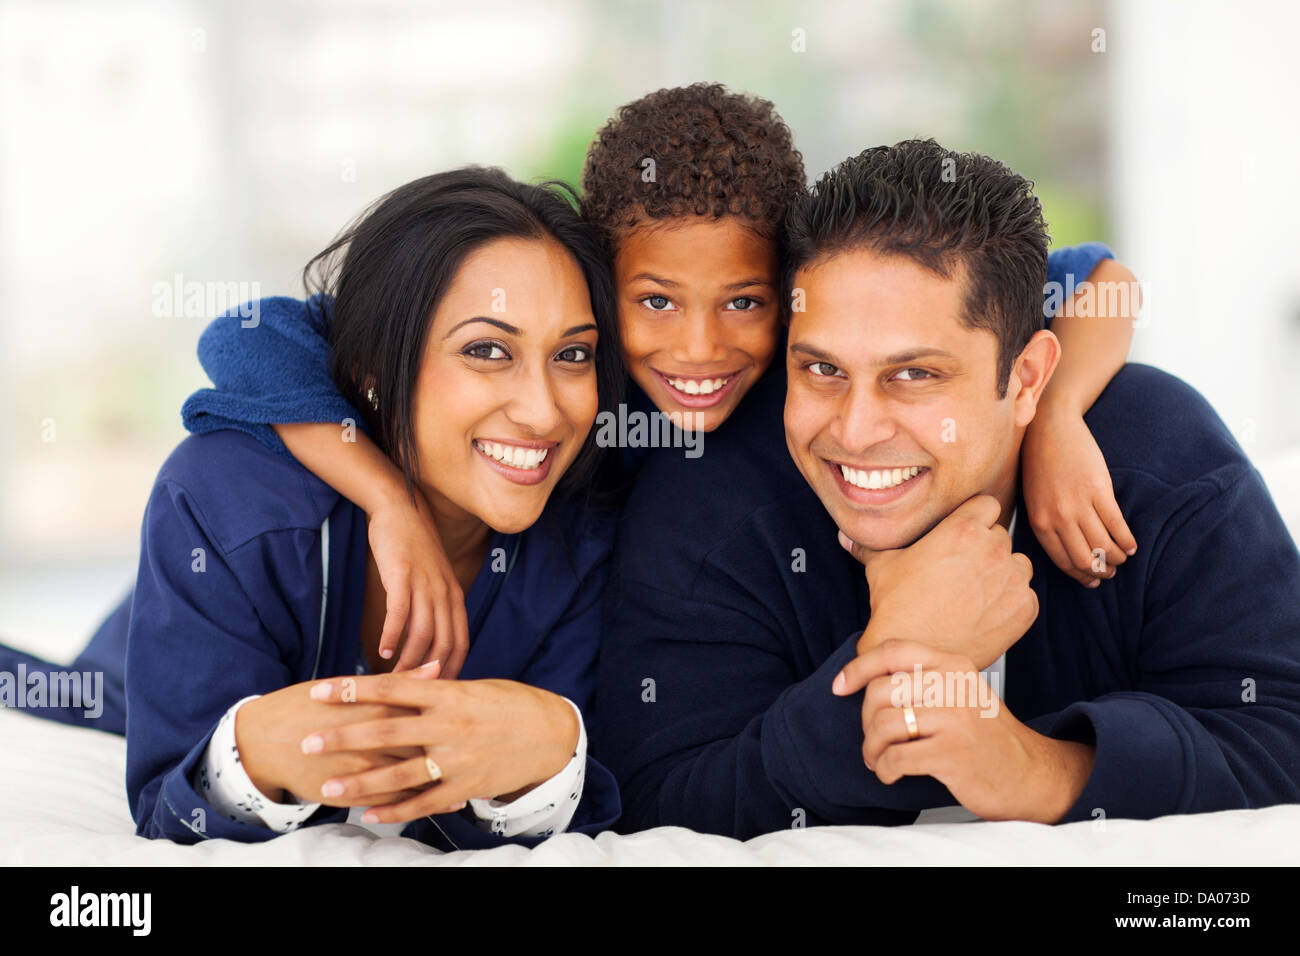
823,369
743,304
577,354
657,303
485,350
913,375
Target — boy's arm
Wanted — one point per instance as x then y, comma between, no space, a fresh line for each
273,381
423,594
1068,492
1094,346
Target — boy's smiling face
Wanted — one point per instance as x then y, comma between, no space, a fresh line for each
697,304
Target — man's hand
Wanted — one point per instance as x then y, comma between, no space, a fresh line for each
967,739
959,588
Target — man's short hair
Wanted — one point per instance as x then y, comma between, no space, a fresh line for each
956,214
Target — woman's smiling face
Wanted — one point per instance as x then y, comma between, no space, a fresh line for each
506,392
698,311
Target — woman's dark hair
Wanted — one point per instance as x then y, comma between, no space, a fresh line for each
382,278
715,153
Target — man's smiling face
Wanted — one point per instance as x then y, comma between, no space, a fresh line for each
892,412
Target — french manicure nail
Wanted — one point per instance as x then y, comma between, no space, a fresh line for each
313,744
321,691
370,817
332,788
837,687
386,653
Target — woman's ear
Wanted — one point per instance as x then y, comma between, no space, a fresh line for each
1031,372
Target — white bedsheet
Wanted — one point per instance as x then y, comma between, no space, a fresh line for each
62,802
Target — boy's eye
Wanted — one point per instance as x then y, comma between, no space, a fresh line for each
485,350
823,369
578,354
913,375
657,303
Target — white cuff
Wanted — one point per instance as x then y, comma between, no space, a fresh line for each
220,779
547,808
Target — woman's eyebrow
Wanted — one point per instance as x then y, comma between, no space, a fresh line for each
746,283
503,326
515,330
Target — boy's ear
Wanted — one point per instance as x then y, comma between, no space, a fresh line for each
1031,372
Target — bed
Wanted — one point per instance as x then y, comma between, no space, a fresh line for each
62,802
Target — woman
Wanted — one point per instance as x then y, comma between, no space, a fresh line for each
687,186
476,314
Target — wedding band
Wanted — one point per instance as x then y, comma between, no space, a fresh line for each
435,772
909,718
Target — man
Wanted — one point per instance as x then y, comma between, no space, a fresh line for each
741,635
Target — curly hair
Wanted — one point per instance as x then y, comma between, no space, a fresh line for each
715,153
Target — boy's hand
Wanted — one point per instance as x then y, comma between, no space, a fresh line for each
1071,501
424,598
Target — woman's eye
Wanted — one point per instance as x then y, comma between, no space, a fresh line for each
485,350
578,354
657,303
913,375
823,369
743,304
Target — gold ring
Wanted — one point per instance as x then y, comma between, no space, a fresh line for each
435,772
909,717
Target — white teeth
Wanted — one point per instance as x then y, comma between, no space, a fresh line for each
879,479
693,386
515,456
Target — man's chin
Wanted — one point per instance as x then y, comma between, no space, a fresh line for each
877,541
879,533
